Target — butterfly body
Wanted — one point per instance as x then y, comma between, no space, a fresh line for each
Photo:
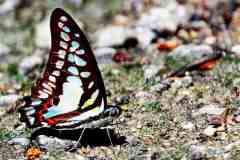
71,92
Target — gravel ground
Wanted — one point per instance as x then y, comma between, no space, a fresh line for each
173,65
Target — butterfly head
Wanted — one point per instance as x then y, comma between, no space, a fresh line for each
113,111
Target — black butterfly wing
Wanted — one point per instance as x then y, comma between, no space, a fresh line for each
71,89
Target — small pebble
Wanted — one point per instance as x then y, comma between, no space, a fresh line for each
104,55
4,51
150,71
160,87
8,99
22,141
197,152
236,50
210,109
30,62
188,125
210,131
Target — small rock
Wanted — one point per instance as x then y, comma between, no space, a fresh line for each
75,3
197,152
150,71
211,40
144,36
144,96
210,131
185,54
148,140
121,19
43,35
22,141
133,141
165,18
28,63
187,125
236,49
215,120
155,156
121,57
8,6
236,81
160,87
110,36
210,109
122,100
182,82
9,99
230,146
104,55
52,143
236,116
130,42
155,17
4,51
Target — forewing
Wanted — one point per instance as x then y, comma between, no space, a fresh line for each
71,86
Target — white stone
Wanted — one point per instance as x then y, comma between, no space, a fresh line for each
110,35
43,35
210,109
209,131
8,99
187,125
4,51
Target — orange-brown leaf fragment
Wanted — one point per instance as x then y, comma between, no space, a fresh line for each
208,65
33,153
168,45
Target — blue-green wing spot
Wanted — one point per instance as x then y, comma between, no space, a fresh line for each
73,70
75,44
66,29
65,36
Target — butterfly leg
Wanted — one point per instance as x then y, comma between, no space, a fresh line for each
109,136
74,147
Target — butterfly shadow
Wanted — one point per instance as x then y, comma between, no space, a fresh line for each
91,136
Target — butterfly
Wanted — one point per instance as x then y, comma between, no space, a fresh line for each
71,93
